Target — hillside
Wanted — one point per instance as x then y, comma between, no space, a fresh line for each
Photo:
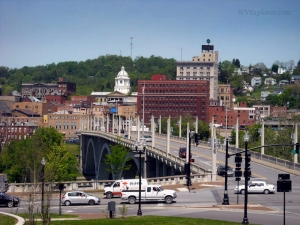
91,75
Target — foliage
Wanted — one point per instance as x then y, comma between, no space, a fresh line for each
7,220
21,159
203,128
274,68
117,160
92,75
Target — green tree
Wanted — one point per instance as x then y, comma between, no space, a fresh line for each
274,68
117,160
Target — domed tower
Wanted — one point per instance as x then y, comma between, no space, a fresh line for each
122,82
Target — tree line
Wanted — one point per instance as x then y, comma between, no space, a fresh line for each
90,75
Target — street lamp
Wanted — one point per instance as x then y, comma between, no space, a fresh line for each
43,182
226,197
245,219
140,151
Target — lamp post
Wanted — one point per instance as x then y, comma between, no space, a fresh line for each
226,197
245,219
140,151
43,183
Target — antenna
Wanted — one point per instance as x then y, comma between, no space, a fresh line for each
131,45
181,54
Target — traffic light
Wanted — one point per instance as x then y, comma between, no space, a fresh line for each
297,147
247,172
197,138
238,172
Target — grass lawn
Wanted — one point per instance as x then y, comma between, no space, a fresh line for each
145,220
7,220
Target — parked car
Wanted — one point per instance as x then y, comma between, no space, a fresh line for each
256,187
126,136
79,197
9,201
221,171
182,153
148,138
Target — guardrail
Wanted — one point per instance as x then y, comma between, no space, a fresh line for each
99,185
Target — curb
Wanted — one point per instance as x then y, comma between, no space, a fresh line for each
21,220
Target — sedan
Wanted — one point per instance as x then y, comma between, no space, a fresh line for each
221,171
9,201
79,197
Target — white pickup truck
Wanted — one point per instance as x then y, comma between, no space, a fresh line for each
151,193
256,187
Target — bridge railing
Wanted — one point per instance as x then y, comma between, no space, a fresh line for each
98,185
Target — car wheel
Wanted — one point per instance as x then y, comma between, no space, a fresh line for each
131,200
242,191
266,192
169,200
10,204
67,203
109,195
91,202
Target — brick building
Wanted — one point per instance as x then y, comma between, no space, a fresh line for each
41,90
162,97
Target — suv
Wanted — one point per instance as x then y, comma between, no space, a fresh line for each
182,153
79,197
9,201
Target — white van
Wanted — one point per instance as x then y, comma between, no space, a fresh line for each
115,190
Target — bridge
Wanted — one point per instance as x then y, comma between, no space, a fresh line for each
160,163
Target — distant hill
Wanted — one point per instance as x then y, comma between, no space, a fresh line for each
91,75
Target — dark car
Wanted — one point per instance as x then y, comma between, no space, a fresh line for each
182,153
221,171
9,201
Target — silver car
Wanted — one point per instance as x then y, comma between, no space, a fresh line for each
79,197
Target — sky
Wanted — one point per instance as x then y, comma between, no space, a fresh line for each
41,32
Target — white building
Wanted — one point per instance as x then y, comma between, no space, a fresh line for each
122,82
255,81
281,70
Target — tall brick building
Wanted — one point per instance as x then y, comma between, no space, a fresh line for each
173,98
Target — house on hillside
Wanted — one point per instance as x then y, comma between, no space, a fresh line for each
264,95
281,70
295,79
255,81
270,81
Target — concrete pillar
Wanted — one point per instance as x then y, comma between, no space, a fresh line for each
153,131
113,123
213,151
119,128
179,126
164,170
159,125
138,126
262,133
157,168
129,130
187,142
168,134
196,125
107,122
295,141
237,133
